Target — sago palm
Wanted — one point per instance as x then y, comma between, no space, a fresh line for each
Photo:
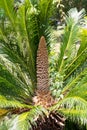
25,98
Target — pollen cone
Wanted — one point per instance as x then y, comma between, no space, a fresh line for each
43,96
42,67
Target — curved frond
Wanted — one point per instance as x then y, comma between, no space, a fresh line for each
78,61
2,36
8,104
27,120
75,80
13,61
74,102
76,16
8,7
71,31
79,116
45,8
83,39
79,90
11,85
74,108
23,37
32,28
81,56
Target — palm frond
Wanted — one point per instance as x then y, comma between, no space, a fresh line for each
83,39
81,56
79,116
8,7
74,108
11,85
75,80
33,25
12,59
79,90
23,37
77,62
74,102
77,16
27,120
45,8
2,36
21,46
8,104
69,38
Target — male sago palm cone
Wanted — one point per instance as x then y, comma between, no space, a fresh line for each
43,97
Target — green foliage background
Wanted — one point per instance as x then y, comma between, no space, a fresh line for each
20,32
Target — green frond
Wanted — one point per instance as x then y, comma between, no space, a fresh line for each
74,108
17,43
2,36
12,60
45,8
33,29
75,80
8,104
74,102
11,85
70,36
83,39
34,2
81,56
77,62
27,120
23,37
79,90
8,7
38,20
79,116
21,15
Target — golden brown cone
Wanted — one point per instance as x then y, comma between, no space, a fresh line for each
42,67
43,96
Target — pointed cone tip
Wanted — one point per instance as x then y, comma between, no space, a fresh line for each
42,37
42,41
